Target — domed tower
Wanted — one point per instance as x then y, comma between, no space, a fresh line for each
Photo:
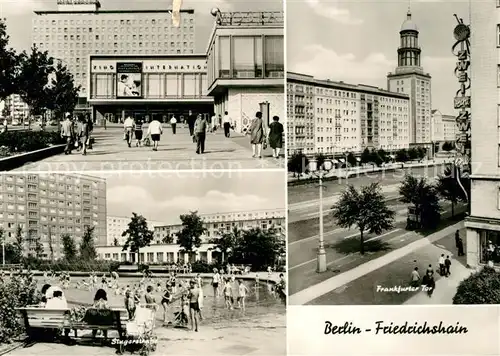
409,50
409,78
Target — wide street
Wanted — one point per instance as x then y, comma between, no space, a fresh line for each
342,244
175,152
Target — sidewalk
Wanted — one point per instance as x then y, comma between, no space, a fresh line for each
310,294
175,152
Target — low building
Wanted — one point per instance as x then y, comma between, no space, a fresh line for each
215,224
245,57
16,108
118,224
148,87
443,127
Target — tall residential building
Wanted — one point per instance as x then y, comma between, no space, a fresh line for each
116,225
443,127
483,224
45,207
409,78
334,118
215,223
79,28
246,66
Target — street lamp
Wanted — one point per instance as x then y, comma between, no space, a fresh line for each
320,171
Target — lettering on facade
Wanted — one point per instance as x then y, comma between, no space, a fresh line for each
462,100
76,2
167,66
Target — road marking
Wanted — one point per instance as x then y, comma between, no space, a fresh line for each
347,237
315,237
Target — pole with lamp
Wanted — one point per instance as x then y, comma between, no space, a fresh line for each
320,172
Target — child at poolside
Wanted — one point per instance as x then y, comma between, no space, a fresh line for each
242,294
228,294
130,304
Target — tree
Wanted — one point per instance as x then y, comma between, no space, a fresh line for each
19,244
69,247
87,246
412,154
351,159
169,239
9,65
424,198
378,157
226,243
51,246
421,152
6,111
259,248
115,242
366,156
481,287
448,146
320,159
138,235
38,248
189,238
366,209
62,90
297,164
33,79
449,188
402,155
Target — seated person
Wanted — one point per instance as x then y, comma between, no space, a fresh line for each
100,302
43,292
57,301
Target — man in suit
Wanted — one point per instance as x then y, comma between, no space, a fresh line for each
67,133
200,131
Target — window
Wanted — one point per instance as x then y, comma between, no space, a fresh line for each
172,85
244,57
102,86
155,86
189,85
273,55
224,57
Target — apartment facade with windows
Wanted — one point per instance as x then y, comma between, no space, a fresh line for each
79,28
443,127
215,224
45,207
334,118
245,60
116,225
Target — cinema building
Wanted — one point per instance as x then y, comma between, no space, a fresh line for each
245,59
148,87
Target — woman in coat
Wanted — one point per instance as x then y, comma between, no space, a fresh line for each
257,135
276,136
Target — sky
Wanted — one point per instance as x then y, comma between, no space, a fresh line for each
163,197
356,41
19,13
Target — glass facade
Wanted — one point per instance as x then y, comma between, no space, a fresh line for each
240,57
156,86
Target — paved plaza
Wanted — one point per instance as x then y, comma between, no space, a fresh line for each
264,335
175,152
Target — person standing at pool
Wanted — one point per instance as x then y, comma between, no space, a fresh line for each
228,294
166,299
130,304
199,283
194,306
215,282
150,299
242,294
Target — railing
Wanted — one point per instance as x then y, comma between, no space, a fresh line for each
248,18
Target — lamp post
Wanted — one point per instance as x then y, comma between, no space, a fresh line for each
320,171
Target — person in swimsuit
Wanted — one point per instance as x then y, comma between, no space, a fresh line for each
150,299
166,299
194,305
242,294
228,294
215,282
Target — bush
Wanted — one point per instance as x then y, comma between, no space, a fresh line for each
27,141
76,266
15,293
203,267
482,287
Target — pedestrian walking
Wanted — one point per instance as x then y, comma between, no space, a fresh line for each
415,277
128,127
447,265
83,134
200,131
257,136
90,125
191,121
430,270
457,238
67,133
429,283
155,131
441,265
173,124
213,120
460,247
227,124
276,131
138,131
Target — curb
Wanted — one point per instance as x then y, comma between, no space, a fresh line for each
12,347
13,162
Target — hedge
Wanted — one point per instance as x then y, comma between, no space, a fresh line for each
27,141
482,287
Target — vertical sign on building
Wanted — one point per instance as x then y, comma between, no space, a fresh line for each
462,101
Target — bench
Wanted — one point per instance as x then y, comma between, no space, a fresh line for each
38,318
